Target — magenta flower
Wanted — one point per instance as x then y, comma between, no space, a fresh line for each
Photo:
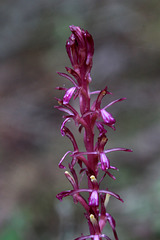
105,164
107,117
94,199
61,195
68,95
94,159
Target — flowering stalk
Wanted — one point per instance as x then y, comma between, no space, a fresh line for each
80,49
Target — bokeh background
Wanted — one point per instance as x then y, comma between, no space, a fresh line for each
127,59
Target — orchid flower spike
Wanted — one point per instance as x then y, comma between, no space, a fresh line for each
93,161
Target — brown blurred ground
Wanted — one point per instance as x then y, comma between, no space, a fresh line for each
127,58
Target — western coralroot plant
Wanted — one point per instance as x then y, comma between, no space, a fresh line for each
93,161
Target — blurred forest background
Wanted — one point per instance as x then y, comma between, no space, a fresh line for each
127,59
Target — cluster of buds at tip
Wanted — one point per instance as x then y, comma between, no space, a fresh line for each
88,118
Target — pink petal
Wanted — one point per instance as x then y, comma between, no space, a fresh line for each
107,117
68,95
94,199
105,164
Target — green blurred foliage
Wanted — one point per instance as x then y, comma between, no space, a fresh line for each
17,226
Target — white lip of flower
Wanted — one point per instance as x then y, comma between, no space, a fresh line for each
92,177
106,199
93,219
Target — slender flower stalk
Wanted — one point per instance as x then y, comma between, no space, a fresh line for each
80,49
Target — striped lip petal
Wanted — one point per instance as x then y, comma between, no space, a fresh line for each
94,199
68,95
107,117
105,164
